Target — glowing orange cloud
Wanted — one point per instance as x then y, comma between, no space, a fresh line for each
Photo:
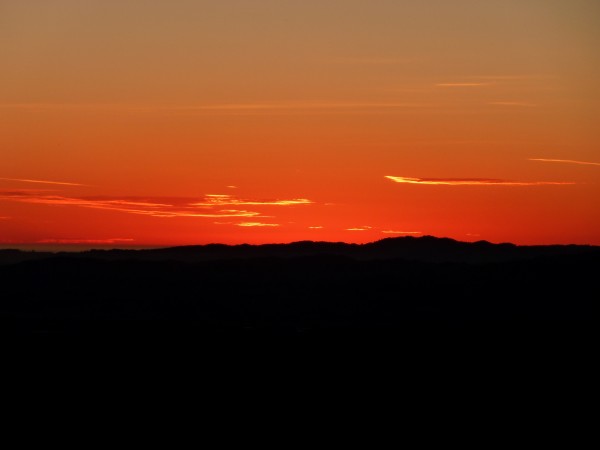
211,207
566,161
217,214
471,181
257,224
224,199
364,228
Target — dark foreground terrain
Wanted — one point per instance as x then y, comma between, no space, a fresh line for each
301,289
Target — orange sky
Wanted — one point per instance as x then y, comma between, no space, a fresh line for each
130,123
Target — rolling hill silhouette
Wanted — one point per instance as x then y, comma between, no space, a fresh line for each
426,248
305,288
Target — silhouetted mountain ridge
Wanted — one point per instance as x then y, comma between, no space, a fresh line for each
303,288
425,249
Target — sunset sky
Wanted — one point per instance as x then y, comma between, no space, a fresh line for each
135,123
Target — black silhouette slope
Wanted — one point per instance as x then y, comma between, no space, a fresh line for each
301,288
427,248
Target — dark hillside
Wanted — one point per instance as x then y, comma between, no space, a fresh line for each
427,249
300,294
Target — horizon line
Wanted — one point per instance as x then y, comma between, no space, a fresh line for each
63,247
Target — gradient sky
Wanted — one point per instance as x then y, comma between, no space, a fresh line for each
127,122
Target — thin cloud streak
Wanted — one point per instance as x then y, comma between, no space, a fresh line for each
566,161
147,208
213,206
471,182
257,224
228,200
25,180
216,215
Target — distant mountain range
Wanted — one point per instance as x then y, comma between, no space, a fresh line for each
423,249
388,288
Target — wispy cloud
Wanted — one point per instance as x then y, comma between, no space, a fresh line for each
25,180
257,224
363,228
211,206
566,161
212,200
401,232
209,215
500,81
471,181
214,206
315,228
